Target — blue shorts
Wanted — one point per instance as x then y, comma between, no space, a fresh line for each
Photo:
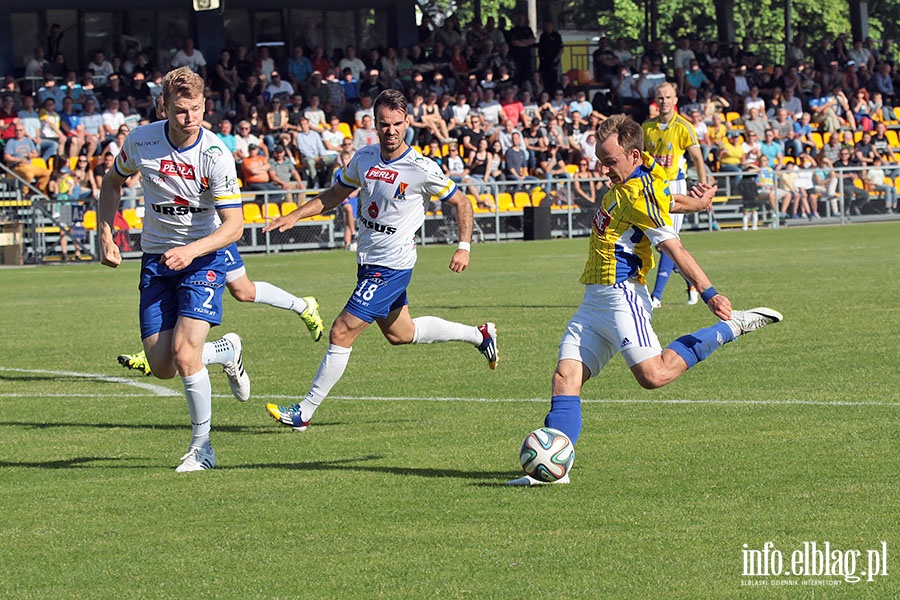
234,264
379,291
194,292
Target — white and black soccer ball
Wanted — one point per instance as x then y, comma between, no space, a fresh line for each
547,454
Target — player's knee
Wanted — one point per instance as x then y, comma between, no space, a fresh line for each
242,295
651,380
395,339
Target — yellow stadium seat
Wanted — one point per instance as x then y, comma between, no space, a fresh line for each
522,199
571,169
818,140
273,211
826,137
505,201
288,207
132,218
893,141
537,196
90,220
252,214
73,162
487,199
39,162
345,129
732,116
857,135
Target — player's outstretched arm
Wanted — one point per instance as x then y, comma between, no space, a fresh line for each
465,220
717,303
108,205
698,198
322,203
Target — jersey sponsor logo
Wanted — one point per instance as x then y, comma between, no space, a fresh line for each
386,175
211,276
176,210
380,228
601,221
204,184
181,201
174,169
373,210
400,194
147,143
213,152
123,155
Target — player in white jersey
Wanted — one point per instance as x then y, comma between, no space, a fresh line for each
395,185
188,178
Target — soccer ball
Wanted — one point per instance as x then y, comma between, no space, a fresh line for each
547,454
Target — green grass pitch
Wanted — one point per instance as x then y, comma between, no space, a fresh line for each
395,491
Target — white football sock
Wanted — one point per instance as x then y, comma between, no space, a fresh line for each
266,293
218,352
198,391
755,219
435,329
330,371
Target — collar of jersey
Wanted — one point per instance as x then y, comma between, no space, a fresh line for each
387,162
166,126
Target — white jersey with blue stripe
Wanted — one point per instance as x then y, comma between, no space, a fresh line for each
393,198
183,187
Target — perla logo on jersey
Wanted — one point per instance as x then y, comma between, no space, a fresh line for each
174,169
381,174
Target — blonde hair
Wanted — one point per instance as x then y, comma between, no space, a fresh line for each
181,83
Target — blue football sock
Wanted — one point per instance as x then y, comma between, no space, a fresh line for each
696,346
666,265
565,415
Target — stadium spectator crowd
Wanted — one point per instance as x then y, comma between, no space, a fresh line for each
489,103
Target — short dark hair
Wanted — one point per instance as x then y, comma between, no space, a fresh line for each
391,100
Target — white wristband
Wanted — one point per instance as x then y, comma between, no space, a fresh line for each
464,246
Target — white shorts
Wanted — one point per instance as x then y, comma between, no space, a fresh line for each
611,319
677,186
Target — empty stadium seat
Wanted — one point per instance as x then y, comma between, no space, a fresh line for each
90,220
288,207
273,211
252,214
521,199
132,218
505,201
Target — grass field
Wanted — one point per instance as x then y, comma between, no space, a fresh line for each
395,491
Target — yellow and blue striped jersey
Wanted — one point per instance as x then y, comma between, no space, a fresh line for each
669,143
633,218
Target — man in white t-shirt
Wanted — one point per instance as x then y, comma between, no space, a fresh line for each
395,183
190,57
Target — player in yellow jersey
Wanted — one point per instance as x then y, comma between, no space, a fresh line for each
615,314
667,138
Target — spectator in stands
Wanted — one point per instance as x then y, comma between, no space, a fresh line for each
756,122
772,148
884,83
352,62
243,139
18,153
550,49
864,151
211,115
333,137
878,182
581,105
365,109
263,63
72,129
51,134
537,144
276,124
584,186
299,67
365,135
822,108
283,173
883,147
371,85
225,73
250,93
479,165
855,198
112,120
255,174
789,180
825,182
100,68
731,157
516,160
277,88
226,134
456,169
317,161
803,135
50,90
434,122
